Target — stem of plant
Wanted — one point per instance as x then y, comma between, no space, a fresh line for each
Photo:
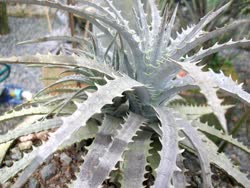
72,22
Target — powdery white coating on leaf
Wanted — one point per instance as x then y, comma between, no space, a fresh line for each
217,48
100,145
179,179
194,111
61,60
113,154
205,36
39,110
198,144
231,87
135,161
32,128
219,134
169,152
208,87
223,162
156,18
162,38
190,33
149,66
93,105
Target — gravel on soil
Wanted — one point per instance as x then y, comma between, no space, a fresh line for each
22,29
33,183
48,171
28,78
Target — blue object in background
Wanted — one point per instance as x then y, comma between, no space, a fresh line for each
11,94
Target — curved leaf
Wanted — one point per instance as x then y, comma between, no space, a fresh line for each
100,145
64,60
219,134
217,48
198,144
222,161
170,150
194,111
71,124
135,161
229,86
205,36
29,111
31,128
208,87
113,154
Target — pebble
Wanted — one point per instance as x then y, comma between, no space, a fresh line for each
6,185
48,171
27,138
42,135
68,174
247,81
65,159
16,154
49,159
25,145
63,181
8,163
33,183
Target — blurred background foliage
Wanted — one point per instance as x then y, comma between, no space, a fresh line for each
190,11
4,28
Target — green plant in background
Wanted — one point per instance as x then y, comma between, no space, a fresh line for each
198,8
129,82
4,27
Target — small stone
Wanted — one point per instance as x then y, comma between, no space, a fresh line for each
16,154
63,181
27,138
198,181
56,155
49,159
65,159
6,185
54,186
68,174
48,171
25,145
33,183
225,185
80,156
8,163
235,159
248,81
42,135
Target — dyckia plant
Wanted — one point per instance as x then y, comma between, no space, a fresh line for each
124,100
